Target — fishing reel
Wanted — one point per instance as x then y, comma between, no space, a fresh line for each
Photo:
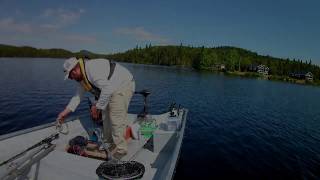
60,129
172,107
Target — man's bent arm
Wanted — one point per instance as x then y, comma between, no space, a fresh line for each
105,94
76,99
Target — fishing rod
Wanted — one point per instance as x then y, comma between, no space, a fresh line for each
47,141
19,168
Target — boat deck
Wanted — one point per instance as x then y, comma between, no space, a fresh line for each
159,160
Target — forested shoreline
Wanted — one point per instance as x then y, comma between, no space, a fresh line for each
200,58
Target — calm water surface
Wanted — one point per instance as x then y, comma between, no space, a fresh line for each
237,128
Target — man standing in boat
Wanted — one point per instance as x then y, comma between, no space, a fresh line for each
113,86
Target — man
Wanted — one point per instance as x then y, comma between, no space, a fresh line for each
113,86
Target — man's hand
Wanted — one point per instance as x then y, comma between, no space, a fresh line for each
62,115
96,113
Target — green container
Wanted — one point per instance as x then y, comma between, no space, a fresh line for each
147,128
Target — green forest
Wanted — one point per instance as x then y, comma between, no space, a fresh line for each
200,58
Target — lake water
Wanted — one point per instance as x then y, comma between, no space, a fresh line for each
237,128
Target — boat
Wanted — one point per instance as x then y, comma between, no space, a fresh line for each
41,152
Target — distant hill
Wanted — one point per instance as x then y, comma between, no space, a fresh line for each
26,51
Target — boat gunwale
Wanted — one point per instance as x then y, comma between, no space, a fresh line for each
25,131
172,169
35,128
42,126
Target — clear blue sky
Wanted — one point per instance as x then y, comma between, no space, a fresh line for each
282,28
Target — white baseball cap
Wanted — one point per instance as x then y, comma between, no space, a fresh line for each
68,65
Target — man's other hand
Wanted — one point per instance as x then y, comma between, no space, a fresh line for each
96,113
62,115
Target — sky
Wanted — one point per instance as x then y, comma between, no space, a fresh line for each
279,28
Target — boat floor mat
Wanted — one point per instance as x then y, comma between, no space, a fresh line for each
121,170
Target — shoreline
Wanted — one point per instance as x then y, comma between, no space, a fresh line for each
284,79
244,74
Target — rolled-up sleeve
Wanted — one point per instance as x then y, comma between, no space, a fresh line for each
76,99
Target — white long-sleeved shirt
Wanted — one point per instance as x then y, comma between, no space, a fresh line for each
97,71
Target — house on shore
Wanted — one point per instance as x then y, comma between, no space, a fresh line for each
309,76
218,67
302,75
263,69
222,67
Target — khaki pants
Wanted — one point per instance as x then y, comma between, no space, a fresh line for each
115,117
